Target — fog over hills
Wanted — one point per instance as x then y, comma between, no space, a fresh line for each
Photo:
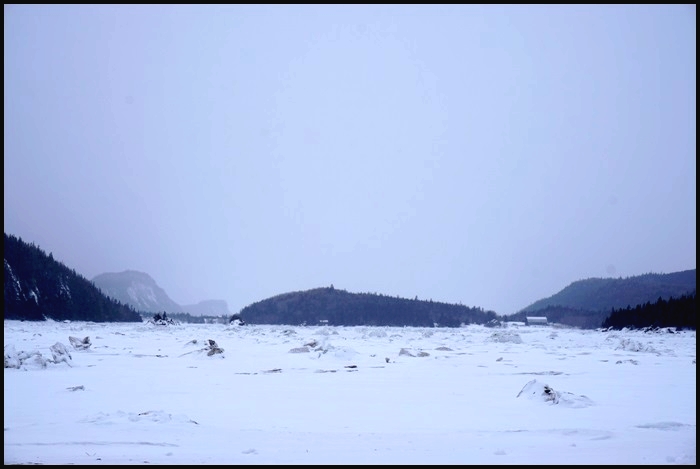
139,290
592,298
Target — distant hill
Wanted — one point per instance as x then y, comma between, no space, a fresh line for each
333,307
604,294
139,290
587,303
38,287
207,308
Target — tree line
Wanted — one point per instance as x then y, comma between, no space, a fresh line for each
674,312
37,287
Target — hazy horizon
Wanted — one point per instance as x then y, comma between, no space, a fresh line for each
340,288
482,155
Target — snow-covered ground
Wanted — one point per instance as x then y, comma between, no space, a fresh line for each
220,394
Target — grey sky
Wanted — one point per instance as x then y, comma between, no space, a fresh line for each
483,155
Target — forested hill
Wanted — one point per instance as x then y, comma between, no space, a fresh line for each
605,294
340,308
588,303
37,287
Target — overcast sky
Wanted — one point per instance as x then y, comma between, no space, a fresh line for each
483,155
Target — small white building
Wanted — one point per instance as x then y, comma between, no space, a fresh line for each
536,320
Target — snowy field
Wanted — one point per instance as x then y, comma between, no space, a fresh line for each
219,394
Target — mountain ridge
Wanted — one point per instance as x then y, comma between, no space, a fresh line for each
38,286
141,291
604,294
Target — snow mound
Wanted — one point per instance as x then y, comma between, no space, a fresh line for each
506,337
152,416
413,353
537,391
630,345
23,360
211,349
60,353
322,346
80,344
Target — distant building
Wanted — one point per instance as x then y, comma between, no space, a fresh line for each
536,320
